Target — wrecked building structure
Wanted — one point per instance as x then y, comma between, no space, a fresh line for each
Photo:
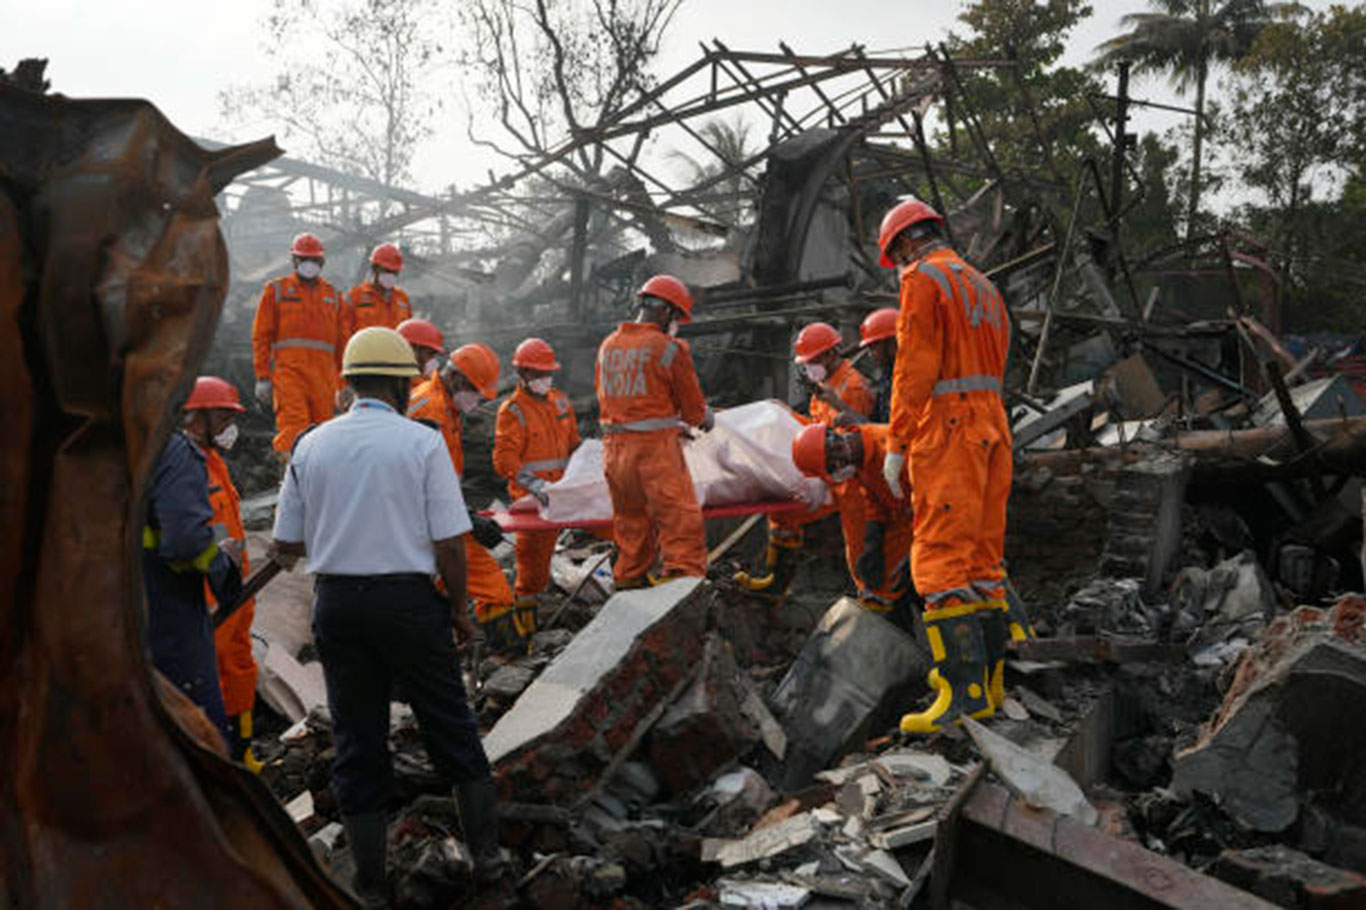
1186,527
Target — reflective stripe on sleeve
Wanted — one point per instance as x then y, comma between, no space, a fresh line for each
643,426
979,383
667,357
311,344
545,464
517,412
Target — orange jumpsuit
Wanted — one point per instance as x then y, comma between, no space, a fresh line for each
484,578
953,333
297,344
851,388
876,503
537,434
232,640
647,390
368,304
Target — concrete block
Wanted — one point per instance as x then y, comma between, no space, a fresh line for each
857,670
763,843
707,727
1293,722
560,734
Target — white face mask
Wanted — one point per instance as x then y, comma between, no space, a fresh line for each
387,280
465,401
309,270
843,474
226,439
540,386
673,328
431,366
814,371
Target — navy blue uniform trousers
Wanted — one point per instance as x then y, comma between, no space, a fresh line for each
375,632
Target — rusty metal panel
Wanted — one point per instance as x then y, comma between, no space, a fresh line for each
112,274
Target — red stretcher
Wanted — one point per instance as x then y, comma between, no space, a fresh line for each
532,521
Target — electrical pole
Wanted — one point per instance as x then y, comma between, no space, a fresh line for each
1121,144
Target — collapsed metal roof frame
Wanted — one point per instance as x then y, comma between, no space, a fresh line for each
850,90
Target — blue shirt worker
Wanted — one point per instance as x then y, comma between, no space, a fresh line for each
178,553
372,501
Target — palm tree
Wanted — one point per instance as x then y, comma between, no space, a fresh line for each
1184,39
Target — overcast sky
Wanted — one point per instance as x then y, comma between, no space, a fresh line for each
181,54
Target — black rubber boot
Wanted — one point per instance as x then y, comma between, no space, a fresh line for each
478,804
368,835
959,677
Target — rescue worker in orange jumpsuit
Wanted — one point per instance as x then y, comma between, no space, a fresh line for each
535,434
878,338
647,393
882,568
379,301
469,378
210,423
840,396
297,340
953,334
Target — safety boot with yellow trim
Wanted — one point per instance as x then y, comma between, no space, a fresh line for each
959,676
524,618
994,637
242,725
499,625
780,564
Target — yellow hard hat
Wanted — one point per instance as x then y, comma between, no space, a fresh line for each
377,351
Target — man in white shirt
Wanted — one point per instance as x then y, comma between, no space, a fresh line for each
372,501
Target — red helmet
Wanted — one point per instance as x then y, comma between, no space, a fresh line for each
880,324
902,216
212,392
669,288
815,340
479,365
535,354
387,256
306,245
808,450
422,333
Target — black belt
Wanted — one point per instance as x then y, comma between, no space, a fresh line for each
389,577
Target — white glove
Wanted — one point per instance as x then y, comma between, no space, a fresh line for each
262,392
892,466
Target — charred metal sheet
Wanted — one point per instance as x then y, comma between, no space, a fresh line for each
1008,854
112,273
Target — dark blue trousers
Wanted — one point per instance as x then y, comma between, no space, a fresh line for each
373,632
180,636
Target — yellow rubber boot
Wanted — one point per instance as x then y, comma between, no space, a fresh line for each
959,678
499,625
995,634
524,619
1017,616
780,564
243,748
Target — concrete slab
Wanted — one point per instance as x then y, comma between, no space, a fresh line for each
856,670
1293,722
565,728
